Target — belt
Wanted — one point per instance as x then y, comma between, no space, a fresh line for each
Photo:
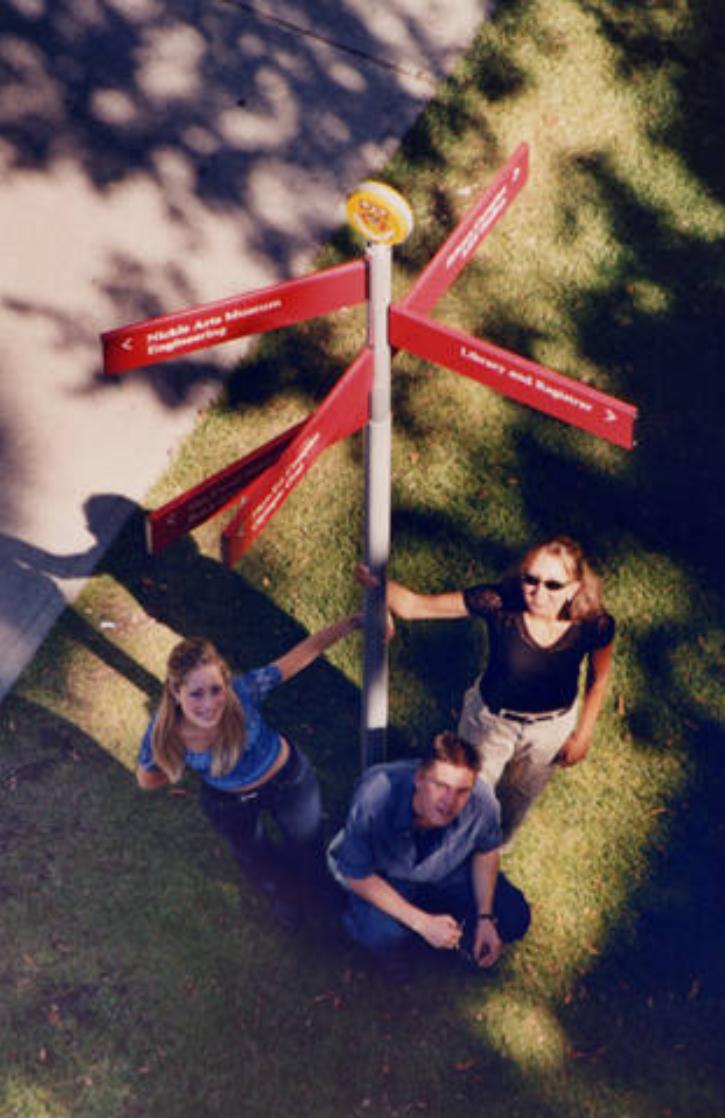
519,716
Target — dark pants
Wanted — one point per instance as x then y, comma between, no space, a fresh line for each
453,895
292,799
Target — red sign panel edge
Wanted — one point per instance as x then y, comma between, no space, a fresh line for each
457,250
343,411
192,507
517,377
172,336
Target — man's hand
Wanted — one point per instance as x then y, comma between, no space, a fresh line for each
441,932
486,944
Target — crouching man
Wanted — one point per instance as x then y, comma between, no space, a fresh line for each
419,858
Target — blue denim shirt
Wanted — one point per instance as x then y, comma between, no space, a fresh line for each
262,743
380,836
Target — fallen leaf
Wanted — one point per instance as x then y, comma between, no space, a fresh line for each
330,997
587,1053
694,990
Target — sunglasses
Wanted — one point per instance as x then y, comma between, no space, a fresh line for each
548,583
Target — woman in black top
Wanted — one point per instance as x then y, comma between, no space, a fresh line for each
522,713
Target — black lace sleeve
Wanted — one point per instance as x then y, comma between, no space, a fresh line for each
602,630
483,600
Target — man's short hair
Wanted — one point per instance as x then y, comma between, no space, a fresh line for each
448,747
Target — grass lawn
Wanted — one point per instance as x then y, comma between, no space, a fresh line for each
133,982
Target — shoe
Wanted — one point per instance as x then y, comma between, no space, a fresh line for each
288,915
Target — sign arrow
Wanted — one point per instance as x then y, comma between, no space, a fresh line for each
176,335
514,376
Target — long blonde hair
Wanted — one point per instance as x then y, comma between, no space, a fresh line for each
167,746
588,600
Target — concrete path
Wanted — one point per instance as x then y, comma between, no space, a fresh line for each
155,154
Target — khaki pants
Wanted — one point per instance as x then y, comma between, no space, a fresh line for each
517,758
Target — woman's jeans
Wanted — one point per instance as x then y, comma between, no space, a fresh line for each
292,799
517,758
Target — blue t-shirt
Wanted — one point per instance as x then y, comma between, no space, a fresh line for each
262,743
380,836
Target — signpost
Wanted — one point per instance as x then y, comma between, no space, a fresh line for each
384,217
260,482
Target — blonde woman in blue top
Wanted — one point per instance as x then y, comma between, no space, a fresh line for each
210,721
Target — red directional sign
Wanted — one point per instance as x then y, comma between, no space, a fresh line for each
454,254
261,481
515,376
176,335
189,509
344,411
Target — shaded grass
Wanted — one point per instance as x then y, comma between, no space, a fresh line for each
134,982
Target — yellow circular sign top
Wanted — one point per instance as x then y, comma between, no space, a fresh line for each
379,213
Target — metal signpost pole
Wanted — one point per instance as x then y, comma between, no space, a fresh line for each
378,438
384,218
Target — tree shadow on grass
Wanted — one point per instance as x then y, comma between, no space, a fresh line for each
669,358
695,53
662,978
131,969
443,657
292,360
